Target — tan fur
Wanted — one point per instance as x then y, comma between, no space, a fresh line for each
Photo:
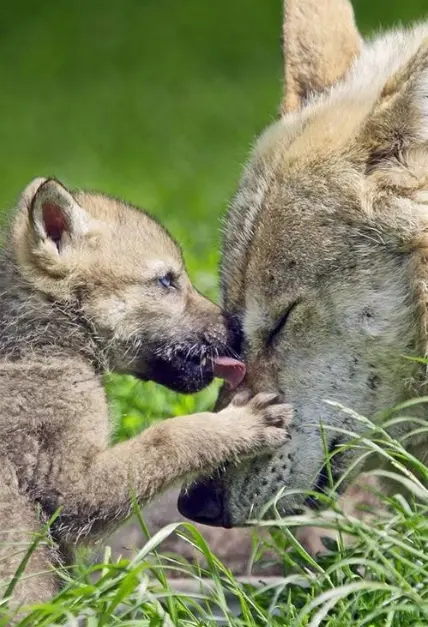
320,42
325,255
81,295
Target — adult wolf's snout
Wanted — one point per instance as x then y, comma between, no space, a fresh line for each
202,502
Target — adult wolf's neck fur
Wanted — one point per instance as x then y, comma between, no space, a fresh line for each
31,324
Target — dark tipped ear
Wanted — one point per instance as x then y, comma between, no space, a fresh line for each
320,43
54,214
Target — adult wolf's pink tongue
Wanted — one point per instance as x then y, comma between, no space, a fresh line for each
229,369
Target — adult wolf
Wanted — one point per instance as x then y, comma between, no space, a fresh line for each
325,251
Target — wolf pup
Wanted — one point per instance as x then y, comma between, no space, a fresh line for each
325,255
91,284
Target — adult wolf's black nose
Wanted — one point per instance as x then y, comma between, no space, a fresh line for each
202,503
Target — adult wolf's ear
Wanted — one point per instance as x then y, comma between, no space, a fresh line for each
392,148
320,43
395,135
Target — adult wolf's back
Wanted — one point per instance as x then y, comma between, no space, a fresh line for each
325,249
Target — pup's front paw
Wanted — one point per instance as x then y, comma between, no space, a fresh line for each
262,422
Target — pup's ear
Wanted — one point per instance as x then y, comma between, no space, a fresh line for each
29,192
320,43
55,217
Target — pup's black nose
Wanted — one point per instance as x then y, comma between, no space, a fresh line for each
202,503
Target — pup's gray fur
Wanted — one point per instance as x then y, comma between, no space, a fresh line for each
90,284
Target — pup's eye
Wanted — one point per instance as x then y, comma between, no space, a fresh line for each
166,281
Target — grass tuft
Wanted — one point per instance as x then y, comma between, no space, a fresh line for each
380,579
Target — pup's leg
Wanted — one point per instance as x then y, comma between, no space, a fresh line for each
97,494
19,525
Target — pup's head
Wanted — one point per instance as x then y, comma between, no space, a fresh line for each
120,274
325,251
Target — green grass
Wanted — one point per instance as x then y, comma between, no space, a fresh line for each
158,101
381,581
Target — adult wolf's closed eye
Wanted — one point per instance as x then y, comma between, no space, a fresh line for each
331,206
282,321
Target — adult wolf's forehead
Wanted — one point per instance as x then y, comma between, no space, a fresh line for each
286,214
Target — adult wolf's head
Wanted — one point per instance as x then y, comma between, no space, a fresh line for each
113,270
325,248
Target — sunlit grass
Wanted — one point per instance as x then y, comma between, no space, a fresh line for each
381,579
158,102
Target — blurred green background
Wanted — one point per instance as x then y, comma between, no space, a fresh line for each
156,101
